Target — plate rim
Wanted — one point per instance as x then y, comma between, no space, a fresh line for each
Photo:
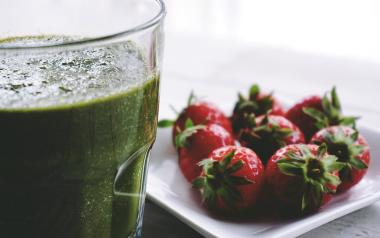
307,223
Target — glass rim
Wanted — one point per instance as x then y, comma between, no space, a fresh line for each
156,20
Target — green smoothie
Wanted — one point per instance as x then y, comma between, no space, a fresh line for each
76,128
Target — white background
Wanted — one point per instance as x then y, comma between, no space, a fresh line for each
348,28
293,47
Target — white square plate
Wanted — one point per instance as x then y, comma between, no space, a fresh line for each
169,189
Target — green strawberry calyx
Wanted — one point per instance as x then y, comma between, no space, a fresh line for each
251,105
345,148
219,182
267,129
164,123
331,113
181,140
316,172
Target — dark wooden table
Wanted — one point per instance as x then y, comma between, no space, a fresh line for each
361,224
159,223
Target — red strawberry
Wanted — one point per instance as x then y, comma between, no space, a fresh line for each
314,113
199,113
268,133
257,104
196,142
350,148
301,119
231,179
302,178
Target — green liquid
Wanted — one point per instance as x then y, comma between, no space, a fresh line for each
73,162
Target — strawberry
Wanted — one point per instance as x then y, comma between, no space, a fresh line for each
196,142
301,178
199,113
315,112
257,104
231,179
268,133
350,148
306,123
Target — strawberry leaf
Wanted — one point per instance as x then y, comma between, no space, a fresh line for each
251,120
199,182
290,169
305,151
227,159
334,99
320,117
346,173
174,110
191,99
181,140
355,150
237,180
188,123
331,113
332,179
293,156
331,164
358,164
205,162
354,136
322,149
247,104
235,167
254,91
165,123
348,121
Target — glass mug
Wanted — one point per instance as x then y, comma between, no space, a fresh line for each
79,84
